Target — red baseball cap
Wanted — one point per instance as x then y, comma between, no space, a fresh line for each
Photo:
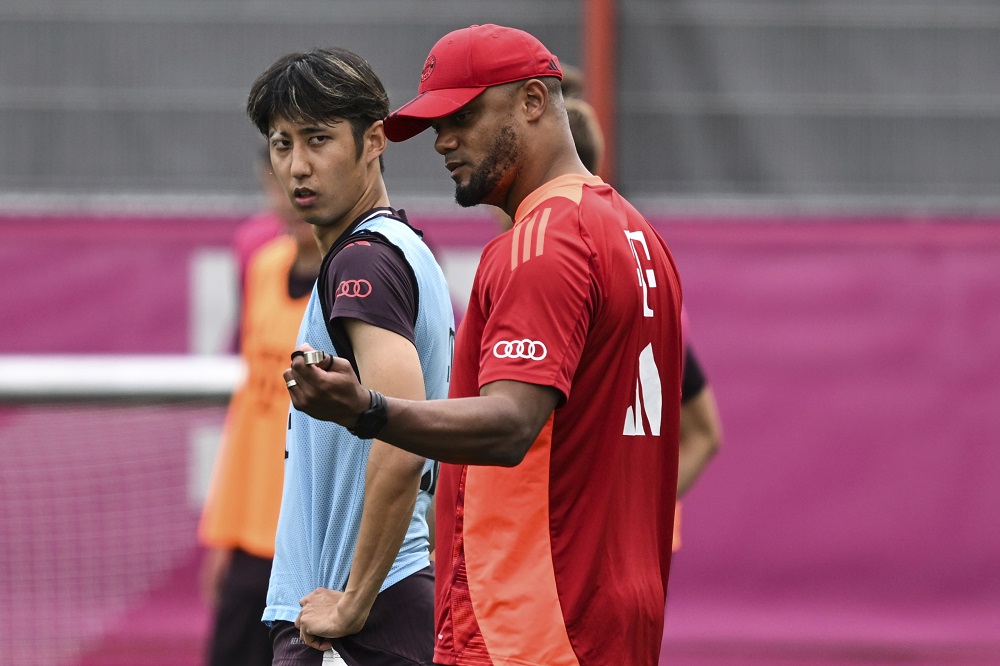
462,65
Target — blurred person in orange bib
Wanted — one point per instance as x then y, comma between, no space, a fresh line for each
241,513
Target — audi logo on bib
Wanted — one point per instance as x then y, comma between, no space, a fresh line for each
354,288
532,350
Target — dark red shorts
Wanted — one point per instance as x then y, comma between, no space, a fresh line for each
399,632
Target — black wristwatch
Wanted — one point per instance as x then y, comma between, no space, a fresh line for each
373,419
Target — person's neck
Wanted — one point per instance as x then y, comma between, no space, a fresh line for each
376,197
565,163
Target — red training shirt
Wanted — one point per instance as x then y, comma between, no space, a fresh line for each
564,558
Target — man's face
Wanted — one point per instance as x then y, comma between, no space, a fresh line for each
481,148
318,168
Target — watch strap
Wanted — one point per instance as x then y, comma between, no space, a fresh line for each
373,419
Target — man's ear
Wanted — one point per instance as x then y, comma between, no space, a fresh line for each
534,99
375,141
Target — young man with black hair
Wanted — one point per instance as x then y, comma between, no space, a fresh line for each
351,567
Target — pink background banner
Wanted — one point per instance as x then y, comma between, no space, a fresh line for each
100,285
121,285
856,364
857,369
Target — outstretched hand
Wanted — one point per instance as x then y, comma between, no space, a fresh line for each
328,390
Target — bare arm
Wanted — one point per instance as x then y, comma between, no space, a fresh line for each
701,435
214,568
495,428
388,363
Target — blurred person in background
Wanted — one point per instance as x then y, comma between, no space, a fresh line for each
351,582
572,82
257,230
555,513
700,428
241,513
268,224
586,130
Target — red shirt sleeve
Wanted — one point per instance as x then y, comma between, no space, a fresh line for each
540,301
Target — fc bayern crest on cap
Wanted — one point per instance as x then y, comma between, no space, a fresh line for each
428,67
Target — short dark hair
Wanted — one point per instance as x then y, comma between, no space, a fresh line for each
319,86
552,84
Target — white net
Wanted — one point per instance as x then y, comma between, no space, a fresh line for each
101,494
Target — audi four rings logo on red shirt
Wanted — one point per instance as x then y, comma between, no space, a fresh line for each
354,288
533,350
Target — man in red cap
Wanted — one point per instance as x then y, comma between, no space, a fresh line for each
555,509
